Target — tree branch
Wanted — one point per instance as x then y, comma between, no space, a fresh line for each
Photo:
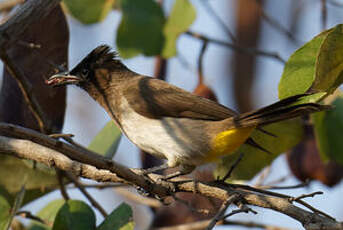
200,225
78,184
113,172
251,51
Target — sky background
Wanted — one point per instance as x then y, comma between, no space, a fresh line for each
85,118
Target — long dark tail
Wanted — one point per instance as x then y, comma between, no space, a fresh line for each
279,111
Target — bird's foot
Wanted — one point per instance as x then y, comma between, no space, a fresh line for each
184,170
154,169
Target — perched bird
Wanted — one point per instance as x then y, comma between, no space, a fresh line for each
167,121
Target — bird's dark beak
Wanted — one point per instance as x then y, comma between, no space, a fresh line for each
64,78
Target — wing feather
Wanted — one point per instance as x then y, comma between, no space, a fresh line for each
156,98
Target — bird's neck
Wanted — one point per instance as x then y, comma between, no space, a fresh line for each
106,90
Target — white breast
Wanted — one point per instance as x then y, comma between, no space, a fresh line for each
158,137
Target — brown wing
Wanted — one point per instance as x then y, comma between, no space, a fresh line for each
155,98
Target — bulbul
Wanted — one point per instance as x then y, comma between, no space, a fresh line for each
169,122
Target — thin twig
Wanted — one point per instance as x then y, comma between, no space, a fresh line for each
60,176
94,203
251,224
233,198
243,208
247,187
233,166
100,186
305,196
273,187
132,196
335,3
61,135
29,215
72,142
201,62
200,225
239,48
273,22
216,17
324,15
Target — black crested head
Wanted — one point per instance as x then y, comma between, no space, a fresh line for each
94,68
101,57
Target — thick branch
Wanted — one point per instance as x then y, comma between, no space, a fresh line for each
82,155
30,150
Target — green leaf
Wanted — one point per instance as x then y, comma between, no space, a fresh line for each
107,140
328,128
181,17
299,72
120,218
34,194
329,67
140,29
5,209
7,212
15,172
288,134
89,11
74,215
48,214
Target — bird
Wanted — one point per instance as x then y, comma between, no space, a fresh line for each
169,122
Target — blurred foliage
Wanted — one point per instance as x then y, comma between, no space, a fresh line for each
120,218
5,210
181,17
143,27
89,11
140,29
328,128
299,71
41,177
317,68
48,214
107,140
76,215
9,210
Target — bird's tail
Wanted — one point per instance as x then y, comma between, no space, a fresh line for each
279,111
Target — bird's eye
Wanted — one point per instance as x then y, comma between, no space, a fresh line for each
85,73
